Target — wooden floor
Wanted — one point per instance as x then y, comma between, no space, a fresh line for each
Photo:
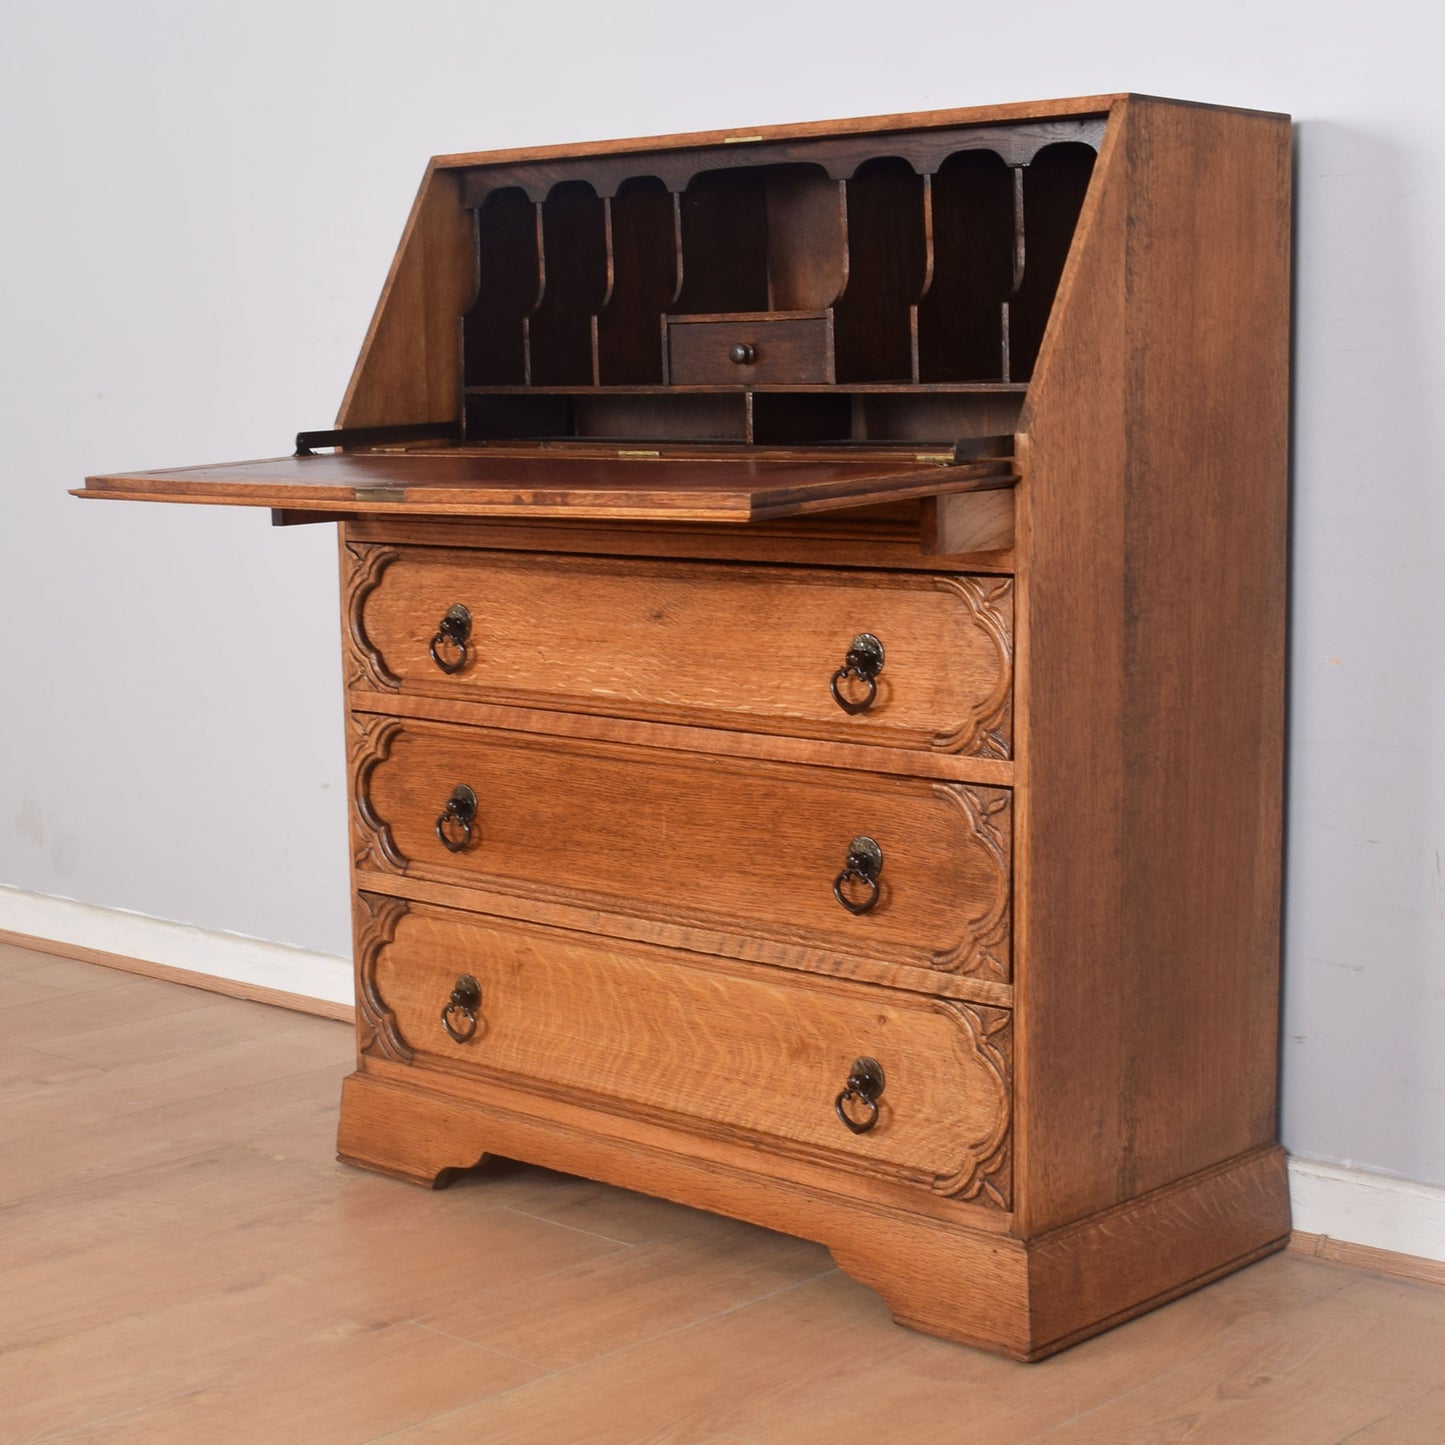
181,1259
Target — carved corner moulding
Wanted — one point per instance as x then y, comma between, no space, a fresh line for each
377,917
990,602
374,847
365,666
984,951
985,1173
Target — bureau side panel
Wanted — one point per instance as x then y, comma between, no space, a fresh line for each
1151,753
409,369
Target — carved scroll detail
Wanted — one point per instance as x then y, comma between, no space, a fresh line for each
986,1170
377,917
365,666
373,845
990,603
984,949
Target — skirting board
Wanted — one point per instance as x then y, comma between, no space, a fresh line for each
226,963
1367,1212
1339,1213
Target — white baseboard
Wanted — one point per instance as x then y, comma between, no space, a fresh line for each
1379,1211
271,967
1352,1206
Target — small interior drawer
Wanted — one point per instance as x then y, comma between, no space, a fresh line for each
653,1031
748,348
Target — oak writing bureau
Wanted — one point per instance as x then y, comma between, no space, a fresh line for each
813,608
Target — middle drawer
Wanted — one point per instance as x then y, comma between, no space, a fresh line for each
901,870
765,649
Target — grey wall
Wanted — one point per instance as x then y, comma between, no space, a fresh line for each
200,203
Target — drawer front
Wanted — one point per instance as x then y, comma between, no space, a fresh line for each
746,350
719,1048
751,849
705,644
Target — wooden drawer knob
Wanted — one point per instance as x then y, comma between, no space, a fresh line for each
742,353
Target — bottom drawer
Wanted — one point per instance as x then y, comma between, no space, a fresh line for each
706,1045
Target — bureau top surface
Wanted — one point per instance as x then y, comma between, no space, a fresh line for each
1008,113
720,488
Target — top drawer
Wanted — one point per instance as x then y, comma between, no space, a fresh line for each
763,649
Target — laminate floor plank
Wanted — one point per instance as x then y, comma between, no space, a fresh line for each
982,1393
27,974
1419,1423
1339,1366
55,1016
688,1386
333,1392
293,1114
182,1259
700,1267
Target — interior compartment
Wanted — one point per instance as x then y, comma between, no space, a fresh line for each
801,418
574,286
718,417
970,228
926,266
642,250
937,418
761,238
572,416
508,280
1053,190
887,272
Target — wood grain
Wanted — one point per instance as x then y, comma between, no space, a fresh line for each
409,369
588,824
443,482
882,536
1083,795
709,1046
1126,458
191,978
722,646
557,1308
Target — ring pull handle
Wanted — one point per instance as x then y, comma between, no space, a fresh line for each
452,634
862,866
466,999
864,661
454,826
865,1084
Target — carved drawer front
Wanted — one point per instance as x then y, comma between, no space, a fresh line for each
721,1048
755,849
749,348
778,649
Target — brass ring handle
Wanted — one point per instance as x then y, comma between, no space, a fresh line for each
865,1084
466,999
452,633
863,865
863,660
454,826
